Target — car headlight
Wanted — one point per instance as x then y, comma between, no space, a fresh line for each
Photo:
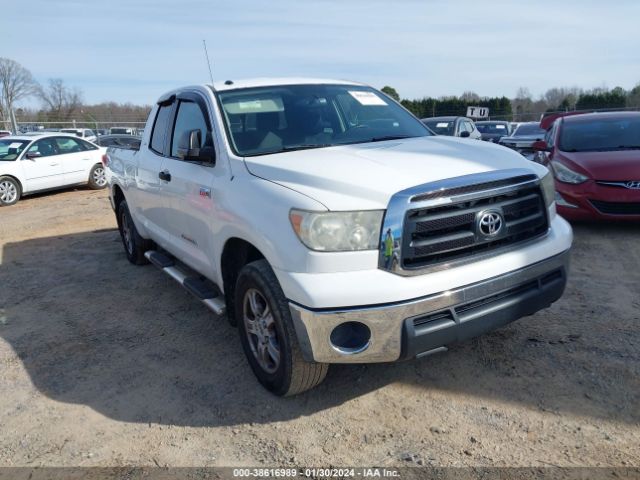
338,231
548,185
566,175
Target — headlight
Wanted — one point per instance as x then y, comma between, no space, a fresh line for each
548,185
338,231
566,175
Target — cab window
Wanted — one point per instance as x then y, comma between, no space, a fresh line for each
189,117
159,129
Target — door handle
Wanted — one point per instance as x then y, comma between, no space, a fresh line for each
54,164
165,175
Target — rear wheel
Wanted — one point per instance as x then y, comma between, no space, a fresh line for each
134,244
97,177
10,191
268,336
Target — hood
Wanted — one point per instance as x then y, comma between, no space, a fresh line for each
616,165
365,176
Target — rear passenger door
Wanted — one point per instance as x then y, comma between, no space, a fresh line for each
190,188
75,158
146,199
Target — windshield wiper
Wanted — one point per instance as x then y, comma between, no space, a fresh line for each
389,137
305,146
629,147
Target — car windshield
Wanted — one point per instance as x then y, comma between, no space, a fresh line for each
601,134
293,117
11,149
497,128
529,129
440,127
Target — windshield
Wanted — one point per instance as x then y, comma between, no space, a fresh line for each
529,129
497,128
293,117
440,127
601,134
11,149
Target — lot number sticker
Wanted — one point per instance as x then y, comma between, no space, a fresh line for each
367,98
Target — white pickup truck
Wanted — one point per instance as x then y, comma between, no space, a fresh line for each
332,226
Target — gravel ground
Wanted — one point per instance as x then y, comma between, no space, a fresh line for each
107,364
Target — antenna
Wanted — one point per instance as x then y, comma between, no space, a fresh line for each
206,54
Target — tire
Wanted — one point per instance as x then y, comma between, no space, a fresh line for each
291,374
134,244
10,191
97,177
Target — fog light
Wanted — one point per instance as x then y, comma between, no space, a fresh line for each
350,338
561,202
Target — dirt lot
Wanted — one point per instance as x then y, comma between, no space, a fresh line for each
104,363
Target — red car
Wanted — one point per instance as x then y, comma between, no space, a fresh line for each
595,159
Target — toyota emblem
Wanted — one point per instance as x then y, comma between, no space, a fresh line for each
634,185
490,223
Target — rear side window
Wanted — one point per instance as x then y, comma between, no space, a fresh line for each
160,129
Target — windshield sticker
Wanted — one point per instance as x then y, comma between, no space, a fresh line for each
367,98
442,125
500,127
15,145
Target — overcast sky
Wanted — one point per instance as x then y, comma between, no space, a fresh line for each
135,50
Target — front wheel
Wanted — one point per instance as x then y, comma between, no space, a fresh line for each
97,177
9,191
268,336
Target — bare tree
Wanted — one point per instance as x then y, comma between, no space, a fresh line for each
470,97
16,82
60,101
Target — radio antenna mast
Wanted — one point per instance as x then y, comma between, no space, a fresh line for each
206,54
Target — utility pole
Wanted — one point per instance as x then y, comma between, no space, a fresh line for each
14,124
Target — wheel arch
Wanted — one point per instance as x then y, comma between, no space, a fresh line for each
13,177
236,253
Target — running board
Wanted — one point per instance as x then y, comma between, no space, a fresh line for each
207,294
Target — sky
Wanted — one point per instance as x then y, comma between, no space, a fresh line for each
133,51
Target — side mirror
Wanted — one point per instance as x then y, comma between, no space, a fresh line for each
540,146
465,134
189,148
33,155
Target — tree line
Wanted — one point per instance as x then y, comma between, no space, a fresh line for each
523,107
62,104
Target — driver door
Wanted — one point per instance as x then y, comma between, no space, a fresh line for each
42,166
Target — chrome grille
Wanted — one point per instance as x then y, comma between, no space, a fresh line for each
446,233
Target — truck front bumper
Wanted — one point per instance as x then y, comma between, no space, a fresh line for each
413,328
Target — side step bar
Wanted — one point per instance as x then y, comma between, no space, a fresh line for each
207,294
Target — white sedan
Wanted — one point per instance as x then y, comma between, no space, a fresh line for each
37,162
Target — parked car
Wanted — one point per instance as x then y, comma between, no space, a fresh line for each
126,141
4,133
522,138
85,133
332,226
453,127
37,162
493,130
595,158
102,131
122,131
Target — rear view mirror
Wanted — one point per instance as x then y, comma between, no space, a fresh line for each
33,155
465,134
189,148
540,146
